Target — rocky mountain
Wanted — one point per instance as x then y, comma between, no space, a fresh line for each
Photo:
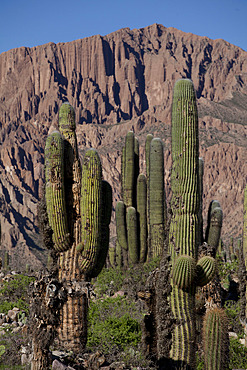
118,82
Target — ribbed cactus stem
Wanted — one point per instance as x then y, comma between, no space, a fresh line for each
129,171
133,247
216,340
91,211
142,214
6,261
136,171
55,191
121,225
201,172
206,268
215,219
185,204
156,198
184,272
123,160
149,138
105,231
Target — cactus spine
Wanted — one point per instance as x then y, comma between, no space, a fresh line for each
79,211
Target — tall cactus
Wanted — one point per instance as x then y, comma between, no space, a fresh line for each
185,224
79,211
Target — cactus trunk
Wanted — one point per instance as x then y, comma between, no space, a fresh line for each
184,228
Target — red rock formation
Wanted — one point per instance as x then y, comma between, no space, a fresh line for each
117,82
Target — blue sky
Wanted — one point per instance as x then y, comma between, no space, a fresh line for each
35,22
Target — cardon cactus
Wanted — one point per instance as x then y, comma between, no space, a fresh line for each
216,340
185,228
157,201
147,196
79,207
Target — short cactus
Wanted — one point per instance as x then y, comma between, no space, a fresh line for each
216,340
184,272
206,268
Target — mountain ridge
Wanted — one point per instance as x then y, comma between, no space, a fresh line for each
118,82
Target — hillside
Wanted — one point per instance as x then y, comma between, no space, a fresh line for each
118,82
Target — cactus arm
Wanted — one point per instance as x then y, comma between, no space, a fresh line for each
91,203
129,171
54,191
184,272
142,214
121,225
133,248
149,138
215,218
105,232
206,268
201,172
156,198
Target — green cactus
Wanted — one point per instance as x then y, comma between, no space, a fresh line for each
184,272
185,229
148,205
215,218
201,172
91,206
216,340
6,261
142,215
157,199
133,249
79,207
206,268
149,138
55,192
129,169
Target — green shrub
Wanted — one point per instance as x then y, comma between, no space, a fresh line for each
14,293
238,355
112,325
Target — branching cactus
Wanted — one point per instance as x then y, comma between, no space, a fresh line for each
185,228
79,207
141,215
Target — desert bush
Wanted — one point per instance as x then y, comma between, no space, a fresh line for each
14,293
113,324
238,355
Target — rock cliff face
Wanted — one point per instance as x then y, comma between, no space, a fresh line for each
118,82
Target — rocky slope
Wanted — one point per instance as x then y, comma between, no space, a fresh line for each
118,82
